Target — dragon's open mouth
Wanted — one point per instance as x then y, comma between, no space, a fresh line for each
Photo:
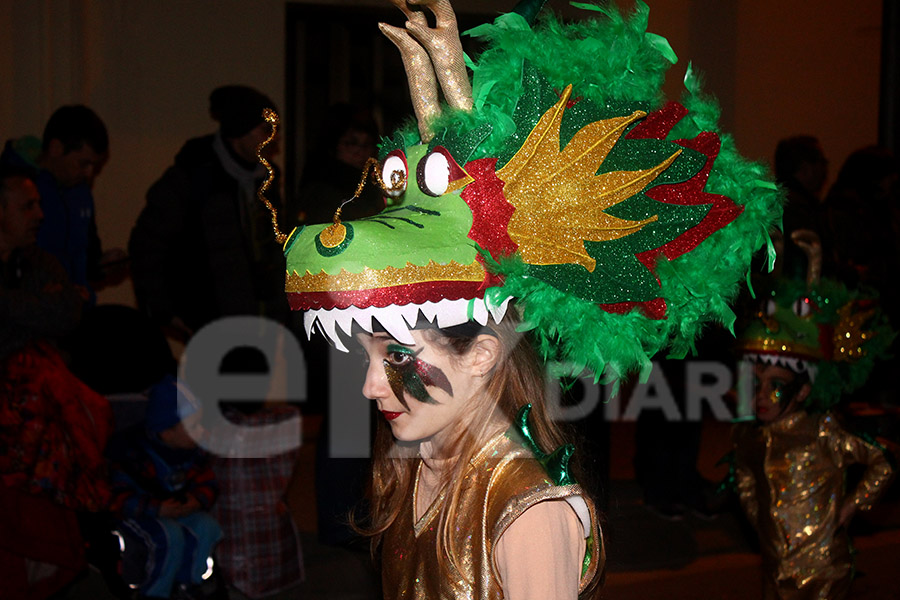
788,347
794,363
398,320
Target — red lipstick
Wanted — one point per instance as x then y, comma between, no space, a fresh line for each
390,416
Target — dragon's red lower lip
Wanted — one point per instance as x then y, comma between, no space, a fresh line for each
390,416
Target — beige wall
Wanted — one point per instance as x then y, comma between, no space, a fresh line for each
147,68
779,67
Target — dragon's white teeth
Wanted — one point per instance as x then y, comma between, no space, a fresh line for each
410,314
499,311
479,311
813,370
395,326
344,320
429,310
308,320
451,316
794,364
364,319
797,365
327,325
398,320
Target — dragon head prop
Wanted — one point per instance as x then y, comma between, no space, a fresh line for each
619,223
818,327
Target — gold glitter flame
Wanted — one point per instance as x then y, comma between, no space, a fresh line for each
849,335
560,202
270,117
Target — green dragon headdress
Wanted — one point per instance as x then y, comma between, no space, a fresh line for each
818,327
619,223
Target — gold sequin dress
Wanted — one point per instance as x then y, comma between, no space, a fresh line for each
503,482
790,476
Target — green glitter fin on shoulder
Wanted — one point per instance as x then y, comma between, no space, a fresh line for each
556,464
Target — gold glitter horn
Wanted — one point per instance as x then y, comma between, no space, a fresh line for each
430,54
270,117
808,241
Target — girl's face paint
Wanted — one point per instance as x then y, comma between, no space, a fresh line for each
408,374
774,392
421,390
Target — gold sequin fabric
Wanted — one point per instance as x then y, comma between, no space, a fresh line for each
790,476
502,483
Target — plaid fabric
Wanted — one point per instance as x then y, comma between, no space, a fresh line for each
52,430
260,553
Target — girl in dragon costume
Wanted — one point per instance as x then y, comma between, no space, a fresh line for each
813,342
553,210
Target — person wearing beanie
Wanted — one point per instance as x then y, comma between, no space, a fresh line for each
163,489
203,246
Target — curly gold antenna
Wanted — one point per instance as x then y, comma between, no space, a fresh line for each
397,183
271,117
370,171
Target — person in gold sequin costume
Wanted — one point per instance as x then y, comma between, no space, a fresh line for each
790,472
812,342
554,193
464,502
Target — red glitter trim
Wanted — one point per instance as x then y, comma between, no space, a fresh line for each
690,192
659,123
415,293
490,214
652,309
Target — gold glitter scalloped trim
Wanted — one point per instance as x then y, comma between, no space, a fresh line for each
382,278
771,345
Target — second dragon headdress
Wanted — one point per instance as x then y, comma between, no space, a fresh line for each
818,327
619,223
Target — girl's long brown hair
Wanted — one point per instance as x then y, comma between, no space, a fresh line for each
517,379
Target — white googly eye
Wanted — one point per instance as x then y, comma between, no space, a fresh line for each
394,175
801,307
770,307
433,174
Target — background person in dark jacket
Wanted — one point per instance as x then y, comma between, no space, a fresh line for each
203,246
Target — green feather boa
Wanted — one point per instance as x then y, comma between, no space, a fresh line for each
613,57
